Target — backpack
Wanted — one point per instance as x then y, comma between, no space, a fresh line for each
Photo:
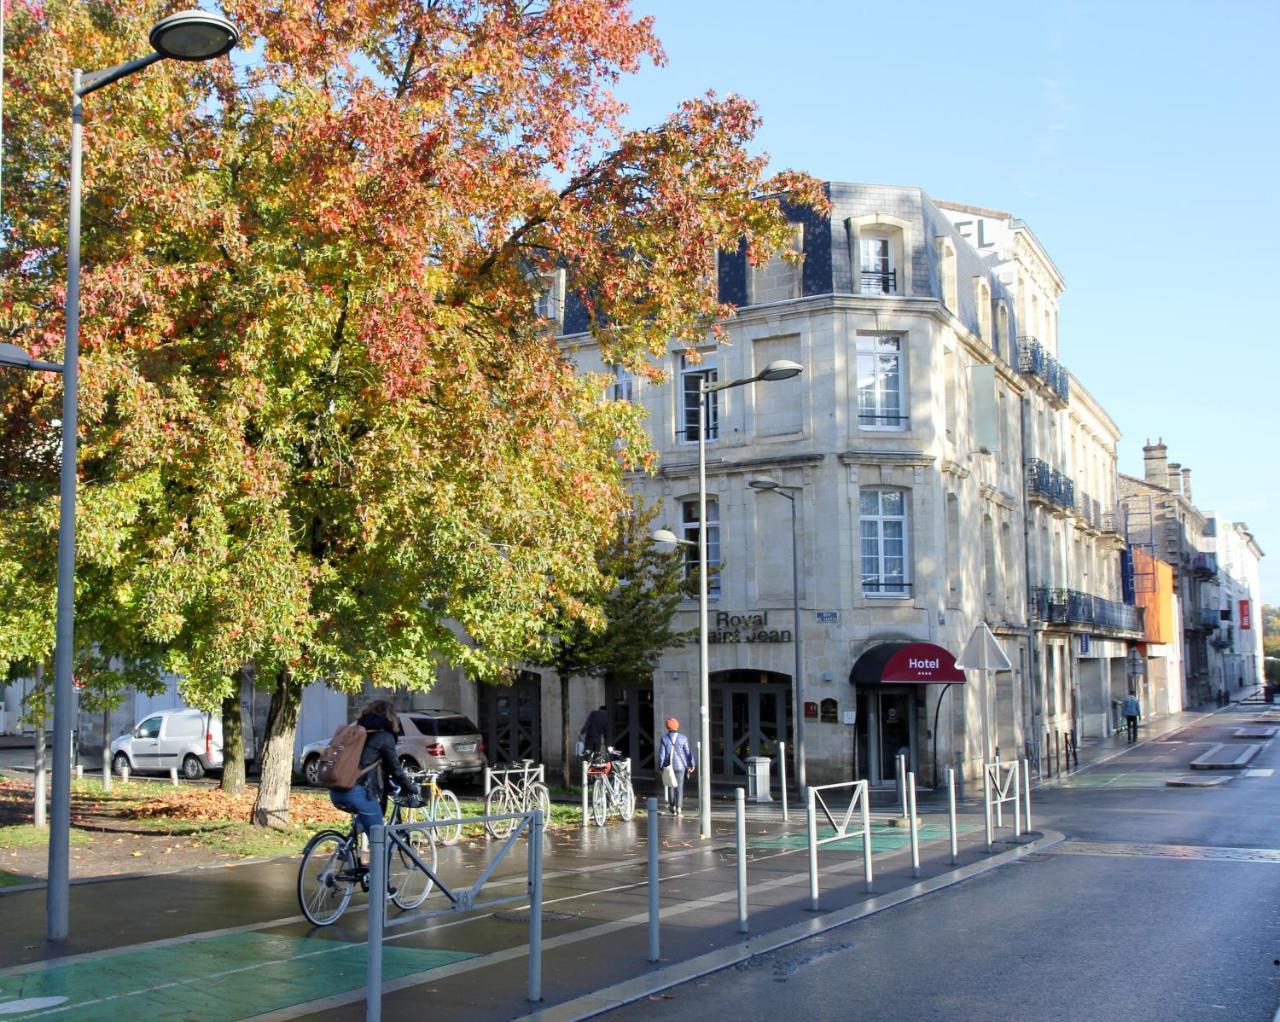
340,762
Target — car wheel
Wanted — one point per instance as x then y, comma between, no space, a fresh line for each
120,764
192,768
311,771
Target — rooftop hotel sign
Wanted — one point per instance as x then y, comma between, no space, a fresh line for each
730,627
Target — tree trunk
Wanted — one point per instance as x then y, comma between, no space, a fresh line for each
106,750
565,759
233,743
271,809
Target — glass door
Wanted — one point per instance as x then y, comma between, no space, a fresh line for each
895,732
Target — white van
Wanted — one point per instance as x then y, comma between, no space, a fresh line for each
190,740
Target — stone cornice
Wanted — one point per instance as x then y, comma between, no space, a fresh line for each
724,466
871,457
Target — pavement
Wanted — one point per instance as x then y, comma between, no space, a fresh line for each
228,943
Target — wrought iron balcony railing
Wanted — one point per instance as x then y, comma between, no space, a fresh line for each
879,282
1072,607
1035,361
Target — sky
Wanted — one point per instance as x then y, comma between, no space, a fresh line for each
1139,141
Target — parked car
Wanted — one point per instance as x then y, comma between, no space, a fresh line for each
190,740
442,740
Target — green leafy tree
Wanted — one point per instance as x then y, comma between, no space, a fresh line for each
1271,630
630,621
324,432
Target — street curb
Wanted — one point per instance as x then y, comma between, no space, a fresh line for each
630,991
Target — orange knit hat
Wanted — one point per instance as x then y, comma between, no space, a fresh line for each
672,724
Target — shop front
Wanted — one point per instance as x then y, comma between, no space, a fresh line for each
892,681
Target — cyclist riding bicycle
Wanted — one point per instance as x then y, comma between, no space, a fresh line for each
368,799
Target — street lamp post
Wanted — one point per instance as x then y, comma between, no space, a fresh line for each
187,36
780,369
773,486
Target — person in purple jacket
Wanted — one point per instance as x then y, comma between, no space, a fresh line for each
674,752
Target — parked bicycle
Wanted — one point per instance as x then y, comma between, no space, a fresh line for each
517,789
609,775
436,803
331,869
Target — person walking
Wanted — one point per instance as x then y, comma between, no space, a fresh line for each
1132,710
368,798
593,731
675,759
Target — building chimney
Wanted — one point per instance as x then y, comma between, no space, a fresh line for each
1175,477
1186,483
1155,463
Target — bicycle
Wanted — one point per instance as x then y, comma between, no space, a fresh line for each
331,870
518,790
611,788
438,804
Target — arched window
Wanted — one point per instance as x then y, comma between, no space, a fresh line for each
947,274
1001,341
982,301
953,550
689,528
883,536
880,254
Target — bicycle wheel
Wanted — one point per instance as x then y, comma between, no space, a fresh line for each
404,876
326,877
447,807
540,798
599,801
628,802
497,802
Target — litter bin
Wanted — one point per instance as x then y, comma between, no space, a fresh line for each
758,779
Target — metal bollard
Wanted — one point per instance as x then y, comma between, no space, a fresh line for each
655,909
106,768
951,814
901,764
488,781
584,793
1026,787
40,780
866,835
535,907
782,774
999,805
377,916
986,804
79,769
813,851
173,776
912,822
124,774
740,815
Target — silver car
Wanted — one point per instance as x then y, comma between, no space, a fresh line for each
441,740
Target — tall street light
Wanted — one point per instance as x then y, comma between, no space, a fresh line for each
188,36
766,484
780,369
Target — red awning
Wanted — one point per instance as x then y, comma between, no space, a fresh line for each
906,663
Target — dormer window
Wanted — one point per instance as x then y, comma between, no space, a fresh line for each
878,272
549,302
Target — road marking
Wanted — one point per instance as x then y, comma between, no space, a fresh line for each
1190,853
1259,772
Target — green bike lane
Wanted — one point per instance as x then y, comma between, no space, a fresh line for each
229,944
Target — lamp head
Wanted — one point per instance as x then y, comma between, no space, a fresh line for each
780,369
12,355
194,36
665,537
764,483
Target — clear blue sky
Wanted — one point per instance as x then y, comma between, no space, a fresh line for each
1137,139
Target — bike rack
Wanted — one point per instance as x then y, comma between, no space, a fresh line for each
818,799
539,770
997,779
461,899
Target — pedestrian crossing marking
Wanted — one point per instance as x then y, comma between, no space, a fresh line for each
1259,772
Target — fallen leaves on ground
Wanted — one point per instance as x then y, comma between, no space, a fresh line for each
211,804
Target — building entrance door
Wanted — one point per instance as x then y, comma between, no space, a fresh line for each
631,726
750,714
886,726
511,719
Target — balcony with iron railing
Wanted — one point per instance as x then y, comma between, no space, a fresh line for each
1112,521
1205,566
1072,607
1089,511
879,282
1048,485
1205,618
1034,360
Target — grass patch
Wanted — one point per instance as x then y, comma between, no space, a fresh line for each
235,837
27,835
12,879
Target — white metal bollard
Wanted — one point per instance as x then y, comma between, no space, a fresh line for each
740,814
951,813
106,768
173,776
1026,787
866,835
584,792
913,822
488,781
782,774
79,772
40,779
813,851
901,763
655,909
377,916
1017,802
986,804
535,906
999,805
124,774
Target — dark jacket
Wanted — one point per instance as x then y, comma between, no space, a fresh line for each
380,748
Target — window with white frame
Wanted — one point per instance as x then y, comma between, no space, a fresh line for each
883,534
689,527
549,303
623,386
691,376
879,275
880,389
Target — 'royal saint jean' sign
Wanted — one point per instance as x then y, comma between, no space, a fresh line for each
746,628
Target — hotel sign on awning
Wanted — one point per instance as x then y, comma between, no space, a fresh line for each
921,663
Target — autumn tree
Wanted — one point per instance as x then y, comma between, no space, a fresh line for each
324,432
